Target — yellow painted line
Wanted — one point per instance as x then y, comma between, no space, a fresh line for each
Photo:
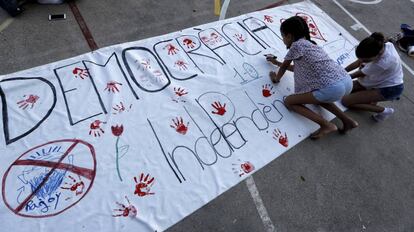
5,24
217,6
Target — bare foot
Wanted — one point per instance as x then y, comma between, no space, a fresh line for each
324,130
349,125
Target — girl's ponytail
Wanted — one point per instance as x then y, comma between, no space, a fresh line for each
306,31
297,27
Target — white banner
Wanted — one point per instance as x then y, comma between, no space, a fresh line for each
139,135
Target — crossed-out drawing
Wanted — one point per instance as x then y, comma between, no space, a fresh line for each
49,179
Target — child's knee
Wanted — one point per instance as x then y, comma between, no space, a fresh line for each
288,103
346,101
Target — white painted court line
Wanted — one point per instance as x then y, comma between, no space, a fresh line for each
224,9
267,222
5,24
356,27
251,185
366,3
369,32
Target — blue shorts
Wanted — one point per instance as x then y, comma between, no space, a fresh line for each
392,93
334,92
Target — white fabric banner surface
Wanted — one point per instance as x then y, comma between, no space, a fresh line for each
137,136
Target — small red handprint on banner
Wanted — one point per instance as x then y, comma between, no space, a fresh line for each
268,18
172,50
189,43
146,64
247,167
179,91
119,108
29,101
76,186
220,109
215,37
80,72
125,210
239,37
143,187
242,168
181,65
278,136
95,128
112,86
179,126
267,90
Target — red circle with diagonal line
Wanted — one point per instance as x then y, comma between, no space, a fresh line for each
50,178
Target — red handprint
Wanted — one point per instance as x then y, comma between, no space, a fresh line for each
189,43
239,37
76,186
247,167
126,211
112,86
181,64
171,49
205,39
242,168
283,140
221,109
119,108
143,188
96,129
215,38
180,92
214,35
268,18
82,73
267,90
179,125
146,64
30,100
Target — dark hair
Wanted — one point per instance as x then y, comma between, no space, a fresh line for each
370,46
297,27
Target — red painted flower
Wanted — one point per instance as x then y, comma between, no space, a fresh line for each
117,130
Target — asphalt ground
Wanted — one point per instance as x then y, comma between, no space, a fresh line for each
358,182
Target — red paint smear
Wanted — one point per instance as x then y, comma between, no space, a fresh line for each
85,172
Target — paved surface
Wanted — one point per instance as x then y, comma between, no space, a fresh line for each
358,182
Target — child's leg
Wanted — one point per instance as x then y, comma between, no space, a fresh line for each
348,122
362,100
295,102
334,92
356,87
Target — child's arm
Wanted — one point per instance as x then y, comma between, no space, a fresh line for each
357,74
272,59
354,65
282,69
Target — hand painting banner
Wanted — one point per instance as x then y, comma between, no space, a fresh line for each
139,135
